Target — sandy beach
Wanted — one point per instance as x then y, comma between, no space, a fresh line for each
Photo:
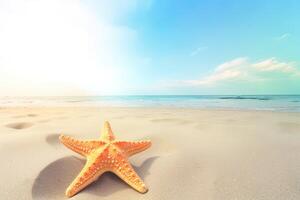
196,154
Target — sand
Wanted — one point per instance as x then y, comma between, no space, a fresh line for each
196,154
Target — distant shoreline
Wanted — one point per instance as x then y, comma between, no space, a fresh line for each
285,103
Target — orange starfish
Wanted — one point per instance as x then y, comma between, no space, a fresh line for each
106,154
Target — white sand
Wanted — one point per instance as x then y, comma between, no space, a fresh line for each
196,154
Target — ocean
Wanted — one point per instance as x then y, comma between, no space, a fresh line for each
289,103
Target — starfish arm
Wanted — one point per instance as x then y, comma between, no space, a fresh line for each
81,147
124,170
88,174
106,133
132,148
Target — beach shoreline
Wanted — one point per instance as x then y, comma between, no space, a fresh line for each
196,153
285,103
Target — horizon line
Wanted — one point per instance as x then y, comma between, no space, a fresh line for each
150,95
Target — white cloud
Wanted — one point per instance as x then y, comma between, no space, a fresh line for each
228,70
50,45
283,36
225,75
242,69
197,51
231,64
273,64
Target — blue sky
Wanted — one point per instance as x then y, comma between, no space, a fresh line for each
188,39
150,47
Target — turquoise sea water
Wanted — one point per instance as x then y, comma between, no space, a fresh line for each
247,102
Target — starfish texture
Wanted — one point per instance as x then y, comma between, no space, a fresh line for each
105,155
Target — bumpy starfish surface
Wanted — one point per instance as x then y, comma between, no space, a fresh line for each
103,155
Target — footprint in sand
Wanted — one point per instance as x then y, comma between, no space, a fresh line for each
28,115
53,139
19,125
32,115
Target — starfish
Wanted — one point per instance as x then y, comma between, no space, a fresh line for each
105,155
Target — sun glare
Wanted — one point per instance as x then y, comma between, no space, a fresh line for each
48,45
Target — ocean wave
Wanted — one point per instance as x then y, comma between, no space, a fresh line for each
246,98
295,101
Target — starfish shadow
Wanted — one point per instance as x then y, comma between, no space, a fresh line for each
53,180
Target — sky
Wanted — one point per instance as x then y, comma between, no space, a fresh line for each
149,47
